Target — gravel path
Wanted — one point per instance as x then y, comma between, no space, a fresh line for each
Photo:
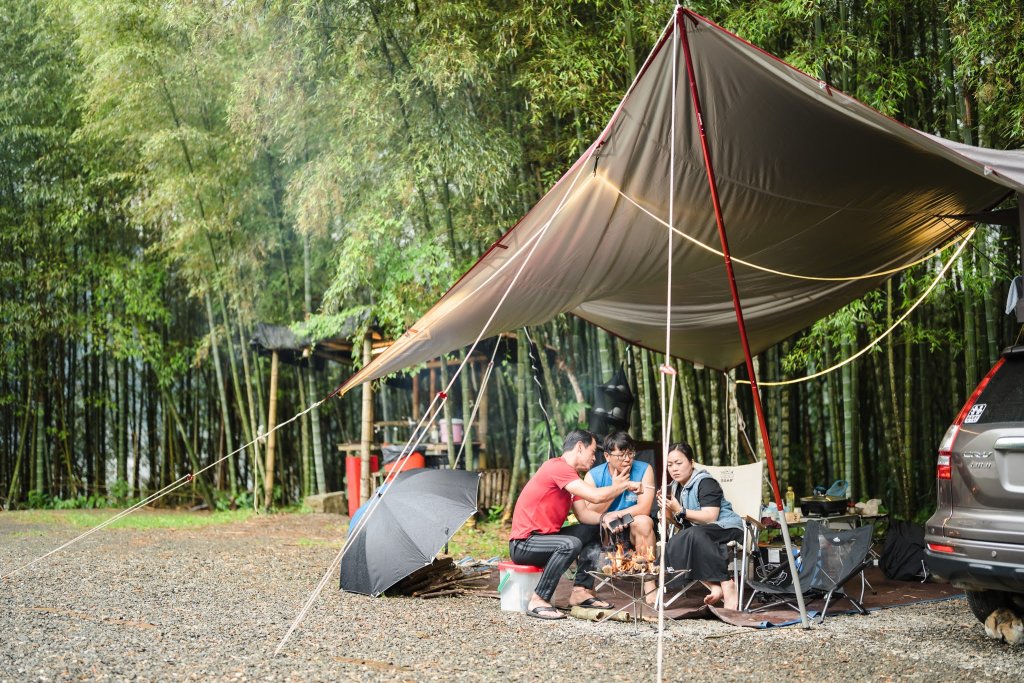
213,603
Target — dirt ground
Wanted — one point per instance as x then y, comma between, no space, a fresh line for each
212,603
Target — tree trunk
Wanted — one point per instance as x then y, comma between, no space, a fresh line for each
554,404
522,369
467,409
447,411
222,393
849,417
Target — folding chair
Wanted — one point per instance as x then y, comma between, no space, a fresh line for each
742,486
830,559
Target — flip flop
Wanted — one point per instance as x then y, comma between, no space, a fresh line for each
596,603
545,612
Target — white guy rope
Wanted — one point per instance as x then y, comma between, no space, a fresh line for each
920,300
765,269
362,520
476,404
185,479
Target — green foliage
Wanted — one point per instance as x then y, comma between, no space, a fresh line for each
481,541
157,156
224,501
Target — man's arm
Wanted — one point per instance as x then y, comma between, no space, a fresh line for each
580,489
644,500
596,507
584,513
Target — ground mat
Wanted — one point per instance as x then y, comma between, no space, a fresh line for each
883,593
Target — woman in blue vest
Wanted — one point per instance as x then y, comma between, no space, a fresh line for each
706,521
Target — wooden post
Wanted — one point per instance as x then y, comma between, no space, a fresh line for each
416,397
268,478
366,438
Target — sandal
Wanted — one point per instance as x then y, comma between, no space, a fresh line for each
545,612
595,603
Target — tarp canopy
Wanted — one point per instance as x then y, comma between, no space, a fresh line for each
812,183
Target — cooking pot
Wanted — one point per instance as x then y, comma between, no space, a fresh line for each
823,506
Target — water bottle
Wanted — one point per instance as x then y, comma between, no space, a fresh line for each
790,498
798,561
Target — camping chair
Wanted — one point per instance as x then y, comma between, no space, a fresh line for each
830,558
741,486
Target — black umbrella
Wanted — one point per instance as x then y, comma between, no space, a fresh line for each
404,527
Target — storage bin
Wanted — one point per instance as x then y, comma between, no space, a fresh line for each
516,583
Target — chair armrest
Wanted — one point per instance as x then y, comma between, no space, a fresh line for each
756,523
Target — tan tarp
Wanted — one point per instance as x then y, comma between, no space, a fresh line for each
811,181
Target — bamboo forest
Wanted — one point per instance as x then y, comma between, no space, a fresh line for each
183,178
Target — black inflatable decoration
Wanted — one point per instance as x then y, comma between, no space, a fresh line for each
612,404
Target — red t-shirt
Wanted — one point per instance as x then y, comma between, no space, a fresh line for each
544,503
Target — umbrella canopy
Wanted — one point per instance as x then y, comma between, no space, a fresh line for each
813,184
406,526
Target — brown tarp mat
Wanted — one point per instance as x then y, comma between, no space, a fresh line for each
887,593
812,183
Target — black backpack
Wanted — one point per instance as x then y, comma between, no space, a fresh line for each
903,554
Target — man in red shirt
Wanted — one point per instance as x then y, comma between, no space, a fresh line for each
538,537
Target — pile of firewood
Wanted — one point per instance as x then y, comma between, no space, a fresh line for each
439,578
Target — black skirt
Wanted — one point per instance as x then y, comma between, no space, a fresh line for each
701,548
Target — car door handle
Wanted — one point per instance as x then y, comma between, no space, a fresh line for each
1010,443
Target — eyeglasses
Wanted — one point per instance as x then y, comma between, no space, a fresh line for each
627,455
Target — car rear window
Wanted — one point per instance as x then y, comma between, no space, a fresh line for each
1003,398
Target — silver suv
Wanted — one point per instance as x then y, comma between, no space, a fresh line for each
975,539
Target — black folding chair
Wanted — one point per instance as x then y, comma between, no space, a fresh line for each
830,558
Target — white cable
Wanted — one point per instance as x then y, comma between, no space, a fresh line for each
879,338
185,479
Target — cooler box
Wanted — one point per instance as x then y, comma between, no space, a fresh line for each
516,583
413,462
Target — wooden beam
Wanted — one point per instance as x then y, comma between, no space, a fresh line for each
268,478
366,437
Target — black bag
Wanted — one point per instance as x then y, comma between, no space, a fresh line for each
903,553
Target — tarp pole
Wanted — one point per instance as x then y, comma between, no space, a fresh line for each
1019,311
666,409
758,407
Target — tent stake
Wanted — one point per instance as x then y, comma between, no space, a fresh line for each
737,305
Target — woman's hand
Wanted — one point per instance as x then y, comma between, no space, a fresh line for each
671,505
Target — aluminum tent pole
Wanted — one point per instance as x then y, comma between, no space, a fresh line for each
737,305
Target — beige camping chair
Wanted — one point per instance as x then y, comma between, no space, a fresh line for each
742,486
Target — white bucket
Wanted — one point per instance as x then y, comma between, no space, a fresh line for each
516,583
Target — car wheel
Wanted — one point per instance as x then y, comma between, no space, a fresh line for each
983,603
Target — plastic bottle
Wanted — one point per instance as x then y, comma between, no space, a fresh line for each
790,498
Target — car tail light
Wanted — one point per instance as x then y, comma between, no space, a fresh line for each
940,548
943,467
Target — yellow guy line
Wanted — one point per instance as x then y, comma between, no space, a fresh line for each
967,237
712,250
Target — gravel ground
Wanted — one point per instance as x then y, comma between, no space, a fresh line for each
213,604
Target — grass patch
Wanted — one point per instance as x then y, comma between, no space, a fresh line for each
482,542
142,519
